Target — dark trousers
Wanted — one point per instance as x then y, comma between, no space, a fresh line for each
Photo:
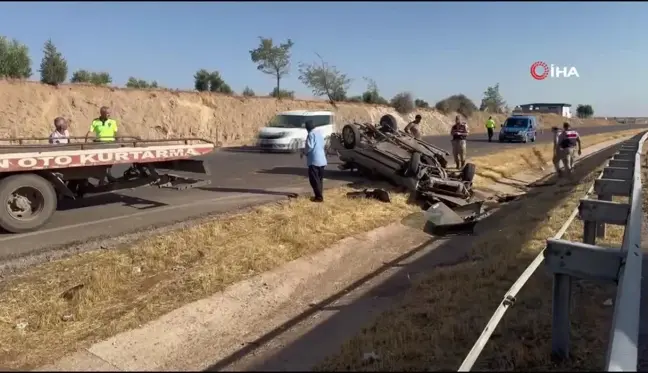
316,178
490,133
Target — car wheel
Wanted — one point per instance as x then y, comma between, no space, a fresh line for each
468,172
350,136
414,164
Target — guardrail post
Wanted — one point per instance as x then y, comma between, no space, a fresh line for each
600,227
560,326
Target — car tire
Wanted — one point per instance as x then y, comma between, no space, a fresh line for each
294,146
468,172
350,136
414,164
41,189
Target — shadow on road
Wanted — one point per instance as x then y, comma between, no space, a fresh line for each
325,338
331,174
106,199
250,191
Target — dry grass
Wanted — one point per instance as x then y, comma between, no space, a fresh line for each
28,109
55,308
439,320
510,162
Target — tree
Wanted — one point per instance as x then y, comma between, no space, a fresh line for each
248,92
201,80
325,80
421,104
96,78
272,59
140,83
372,94
355,99
81,76
100,78
217,84
282,93
458,104
403,103
15,62
492,101
584,111
53,67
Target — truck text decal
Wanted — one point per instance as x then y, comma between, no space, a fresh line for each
80,158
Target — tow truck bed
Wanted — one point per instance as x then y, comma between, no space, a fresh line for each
34,176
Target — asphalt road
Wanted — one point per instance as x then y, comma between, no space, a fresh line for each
239,178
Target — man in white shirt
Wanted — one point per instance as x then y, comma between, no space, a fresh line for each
60,134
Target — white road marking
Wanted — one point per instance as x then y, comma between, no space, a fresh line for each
141,213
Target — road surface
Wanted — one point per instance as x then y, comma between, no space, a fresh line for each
239,178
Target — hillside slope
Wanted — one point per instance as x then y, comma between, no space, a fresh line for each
28,109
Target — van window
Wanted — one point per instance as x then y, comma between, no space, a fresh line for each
297,121
320,120
517,122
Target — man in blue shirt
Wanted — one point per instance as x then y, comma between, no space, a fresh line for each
316,161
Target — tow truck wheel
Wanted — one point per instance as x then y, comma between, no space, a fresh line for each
28,202
350,136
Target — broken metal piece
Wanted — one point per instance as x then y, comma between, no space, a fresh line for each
441,221
379,194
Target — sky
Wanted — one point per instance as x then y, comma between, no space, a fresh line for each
431,49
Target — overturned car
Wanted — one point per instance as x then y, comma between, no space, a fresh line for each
388,153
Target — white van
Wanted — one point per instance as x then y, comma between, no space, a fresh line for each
287,130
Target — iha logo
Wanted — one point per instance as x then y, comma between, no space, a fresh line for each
541,70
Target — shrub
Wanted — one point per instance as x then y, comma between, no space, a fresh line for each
421,104
140,83
457,103
403,103
282,93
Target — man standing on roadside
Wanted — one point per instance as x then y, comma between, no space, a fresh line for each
413,129
490,128
567,142
104,128
316,160
459,133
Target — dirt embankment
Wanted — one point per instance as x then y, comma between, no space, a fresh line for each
29,108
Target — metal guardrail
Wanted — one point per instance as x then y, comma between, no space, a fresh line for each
620,177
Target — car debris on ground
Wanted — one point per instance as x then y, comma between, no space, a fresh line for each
419,167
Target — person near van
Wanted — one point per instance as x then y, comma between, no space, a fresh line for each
315,152
459,133
412,127
60,134
104,128
490,128
568,140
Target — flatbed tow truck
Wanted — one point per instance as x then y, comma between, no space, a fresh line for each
35,176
